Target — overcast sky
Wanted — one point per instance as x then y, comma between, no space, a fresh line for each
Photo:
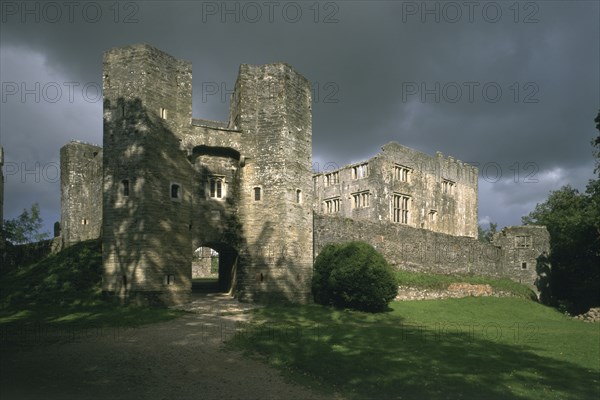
512,86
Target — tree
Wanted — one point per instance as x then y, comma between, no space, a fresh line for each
596,145
486,235
26,227
573,220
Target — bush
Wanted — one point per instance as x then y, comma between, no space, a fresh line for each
353,275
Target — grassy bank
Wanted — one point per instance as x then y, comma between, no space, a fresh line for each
471,348
65,288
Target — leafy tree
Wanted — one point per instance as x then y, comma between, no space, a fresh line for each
486,235
596,145
26,227
573,220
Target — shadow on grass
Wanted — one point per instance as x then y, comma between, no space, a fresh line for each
379,356
63,289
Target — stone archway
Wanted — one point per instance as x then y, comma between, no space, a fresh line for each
215,268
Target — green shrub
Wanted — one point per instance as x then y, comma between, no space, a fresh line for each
353,275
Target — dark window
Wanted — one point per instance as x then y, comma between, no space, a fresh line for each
523,265
256,194
298,196
175,191
125,184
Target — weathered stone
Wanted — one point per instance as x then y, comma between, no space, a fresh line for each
455,291
471,289
440,194
191,183
170,184
81,192
592,315
423,250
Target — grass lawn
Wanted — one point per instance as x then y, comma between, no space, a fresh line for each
471,348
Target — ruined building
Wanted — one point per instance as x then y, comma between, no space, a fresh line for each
165,184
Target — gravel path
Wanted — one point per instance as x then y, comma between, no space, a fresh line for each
178,359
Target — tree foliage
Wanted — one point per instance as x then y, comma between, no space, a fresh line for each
486,235
596,145
353,275
26,227
573,220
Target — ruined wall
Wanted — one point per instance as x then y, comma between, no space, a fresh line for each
526,250
81,192
441,192
202,263
422,250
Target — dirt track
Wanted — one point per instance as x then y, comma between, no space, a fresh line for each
178,359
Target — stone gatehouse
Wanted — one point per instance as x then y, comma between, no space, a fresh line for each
165,184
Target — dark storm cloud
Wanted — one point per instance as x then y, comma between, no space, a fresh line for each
365,64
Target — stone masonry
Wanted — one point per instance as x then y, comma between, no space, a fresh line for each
81,192
165,184
404,186
173,184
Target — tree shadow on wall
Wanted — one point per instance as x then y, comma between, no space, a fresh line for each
146,232
152,237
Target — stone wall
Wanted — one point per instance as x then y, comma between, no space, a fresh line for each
422,250
454,291
202,263
81,192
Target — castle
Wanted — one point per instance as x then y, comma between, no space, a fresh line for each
165,184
